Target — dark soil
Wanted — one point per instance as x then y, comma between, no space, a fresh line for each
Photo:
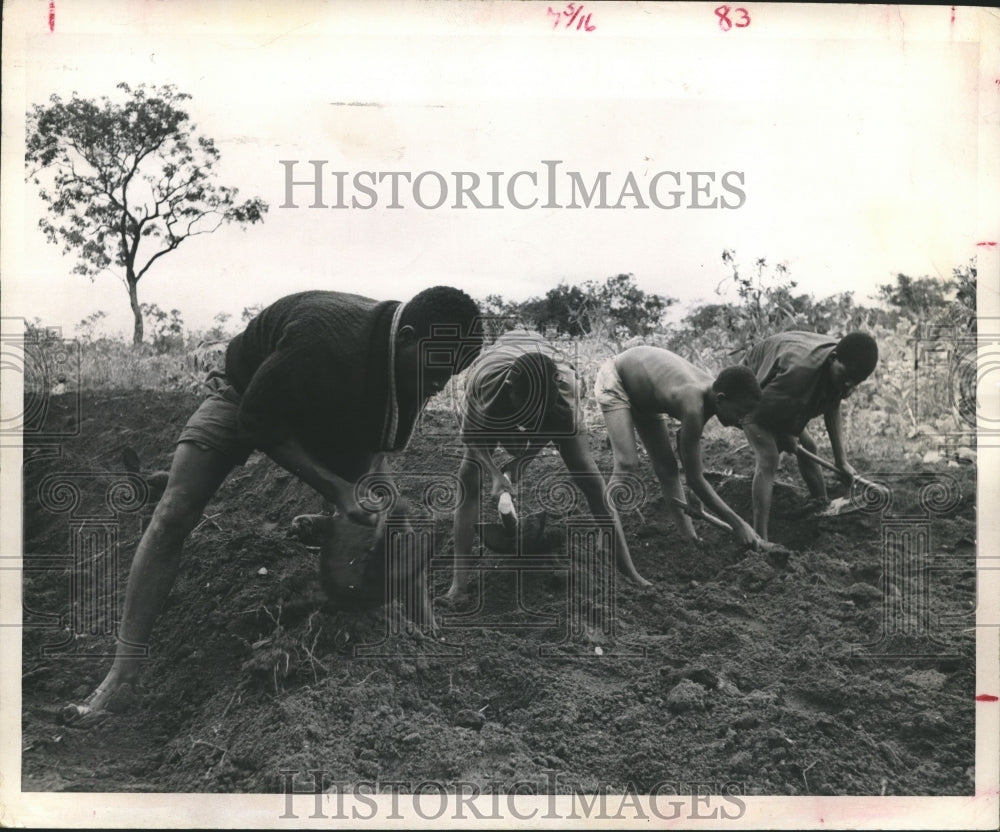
822,673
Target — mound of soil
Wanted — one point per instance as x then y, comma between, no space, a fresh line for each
838,670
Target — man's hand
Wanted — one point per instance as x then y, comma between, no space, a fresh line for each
848,472
291,456
500,484
358,515
347,505
747,536
509,469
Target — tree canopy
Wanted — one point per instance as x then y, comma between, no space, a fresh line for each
615,308
128,182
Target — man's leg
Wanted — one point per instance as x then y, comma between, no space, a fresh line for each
765,449
588,479
195,476
810,471
655,435
621,434
470,479
417,604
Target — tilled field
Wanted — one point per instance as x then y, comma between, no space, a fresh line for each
839,670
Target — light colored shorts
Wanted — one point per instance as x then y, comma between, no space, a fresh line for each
609,390
610,393
212,427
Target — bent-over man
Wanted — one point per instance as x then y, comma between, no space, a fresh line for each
521,395
323,383
802,375
639,390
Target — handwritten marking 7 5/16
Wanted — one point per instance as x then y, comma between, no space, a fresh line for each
574,13
742,17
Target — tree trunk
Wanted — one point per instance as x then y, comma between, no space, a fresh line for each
133,299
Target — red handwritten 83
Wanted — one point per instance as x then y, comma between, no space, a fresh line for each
742,17
574,13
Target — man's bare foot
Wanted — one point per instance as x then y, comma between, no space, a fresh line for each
429,630
645,588
640,581
106,700
454,596
816,505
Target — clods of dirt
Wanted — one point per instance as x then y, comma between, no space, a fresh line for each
827,672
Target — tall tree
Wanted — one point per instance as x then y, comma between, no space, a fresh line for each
127,182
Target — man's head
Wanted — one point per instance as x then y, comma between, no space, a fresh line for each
436,339
853,361
736,393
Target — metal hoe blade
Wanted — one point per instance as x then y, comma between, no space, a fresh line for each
838,507
842,505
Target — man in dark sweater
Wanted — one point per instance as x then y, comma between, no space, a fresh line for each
802,375
322,382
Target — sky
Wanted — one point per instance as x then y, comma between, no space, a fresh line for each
856,133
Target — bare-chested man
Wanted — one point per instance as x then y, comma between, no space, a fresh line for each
643,386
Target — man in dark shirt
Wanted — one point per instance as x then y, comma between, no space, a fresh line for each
802,375
521,395
324,383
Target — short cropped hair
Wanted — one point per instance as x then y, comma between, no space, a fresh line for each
449,315
739,384
858,352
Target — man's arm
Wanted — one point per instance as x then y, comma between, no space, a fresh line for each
274,394
279,390
470,478
589,480
834,428
689,446
513,467
291,456
499,481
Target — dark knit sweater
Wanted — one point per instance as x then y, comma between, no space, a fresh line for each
317,366
792,370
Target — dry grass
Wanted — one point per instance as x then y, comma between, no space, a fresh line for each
882,420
